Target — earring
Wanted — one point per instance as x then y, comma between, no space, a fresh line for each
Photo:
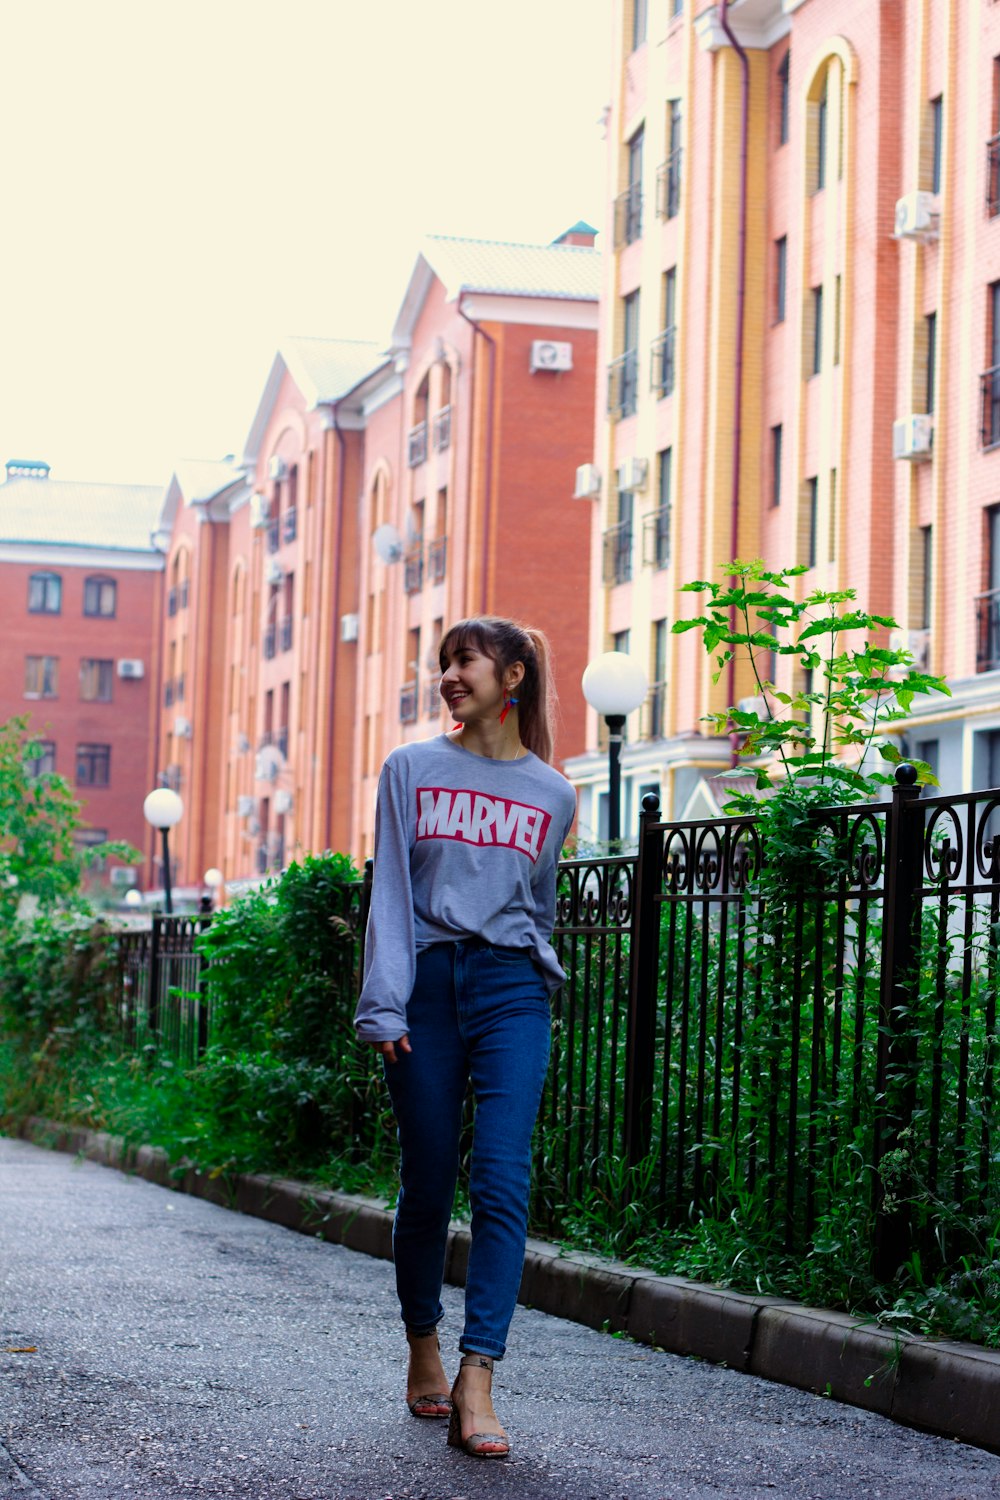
508,704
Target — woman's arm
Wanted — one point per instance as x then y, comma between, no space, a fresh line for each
390,943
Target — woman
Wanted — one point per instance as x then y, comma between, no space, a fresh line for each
458,974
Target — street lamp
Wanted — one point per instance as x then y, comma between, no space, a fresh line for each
214,881
614,685
163,808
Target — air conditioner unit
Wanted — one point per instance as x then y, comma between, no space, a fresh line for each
348,627
131,666
913,437
269,763
546,355
917,217
260,510
182,727
633,474
588,482
274,573
283,802
246,806
277,469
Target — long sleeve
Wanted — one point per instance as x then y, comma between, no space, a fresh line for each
390,944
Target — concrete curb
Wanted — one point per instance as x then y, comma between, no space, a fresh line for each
950,1389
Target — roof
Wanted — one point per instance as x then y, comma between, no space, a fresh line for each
323,369
67,513
572,271
199,482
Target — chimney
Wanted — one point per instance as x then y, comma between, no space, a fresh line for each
26,468
580,233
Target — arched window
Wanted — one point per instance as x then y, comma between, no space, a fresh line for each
100,596
45,594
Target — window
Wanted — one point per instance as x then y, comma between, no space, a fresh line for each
91,838
817,329
93,765
930,325
41,677
617,567
100,597
990,431
44,594
639,21
776,441
926,575
628,208
44,763
664,344
657,525
937,134
620,641
674,159
655,703
96,679
784,69
993,148
812,500
832,515
930,752
836,319
623,372
780,277
821,122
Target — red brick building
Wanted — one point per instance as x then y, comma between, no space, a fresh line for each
81,583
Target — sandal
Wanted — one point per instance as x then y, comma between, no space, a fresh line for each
437,1404
477,1444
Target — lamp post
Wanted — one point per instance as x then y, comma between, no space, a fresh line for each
162,809
214,880
614,685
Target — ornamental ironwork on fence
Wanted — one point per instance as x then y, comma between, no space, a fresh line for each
742,1035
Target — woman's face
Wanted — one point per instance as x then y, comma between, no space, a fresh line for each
469,686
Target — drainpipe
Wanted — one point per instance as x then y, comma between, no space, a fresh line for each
488,482
734,513
335,620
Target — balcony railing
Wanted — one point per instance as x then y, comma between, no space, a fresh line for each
270,642
408,699
172,602
662,363
281,740
623,381
988,631
285,636
989,383
416,445
442,430
654,712
668,186
618,554
437,558
179,687
656,538
290,530
432,698
413,570
993,176
273,535
168,694
628,215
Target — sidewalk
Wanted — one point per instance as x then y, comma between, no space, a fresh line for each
182,1349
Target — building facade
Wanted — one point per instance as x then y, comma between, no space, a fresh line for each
799,352
82,581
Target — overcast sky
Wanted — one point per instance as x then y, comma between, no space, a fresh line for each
184,184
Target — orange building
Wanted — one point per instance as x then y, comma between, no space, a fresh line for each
81,580
800,339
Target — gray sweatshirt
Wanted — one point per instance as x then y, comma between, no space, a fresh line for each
464,847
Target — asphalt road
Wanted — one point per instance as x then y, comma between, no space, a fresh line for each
182,1350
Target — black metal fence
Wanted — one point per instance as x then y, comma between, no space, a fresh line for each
737,1039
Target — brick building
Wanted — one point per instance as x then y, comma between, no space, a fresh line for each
851,232
81,580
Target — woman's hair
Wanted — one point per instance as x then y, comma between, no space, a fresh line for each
506,642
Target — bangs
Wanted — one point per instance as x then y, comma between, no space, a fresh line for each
474,635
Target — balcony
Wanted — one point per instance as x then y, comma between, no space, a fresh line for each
623,381
168,694
413,570
285,633
437,558
432,698
618,554
273,535
442,430
656,538
281,740
668,186
993,176
628,216
654,712
270,642
989,384
290,529
661,377
179,687
988,631
416,445
408,698
172,602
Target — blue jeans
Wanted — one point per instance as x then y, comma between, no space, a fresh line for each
483,1013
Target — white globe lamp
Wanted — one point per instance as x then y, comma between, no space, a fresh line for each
614,685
